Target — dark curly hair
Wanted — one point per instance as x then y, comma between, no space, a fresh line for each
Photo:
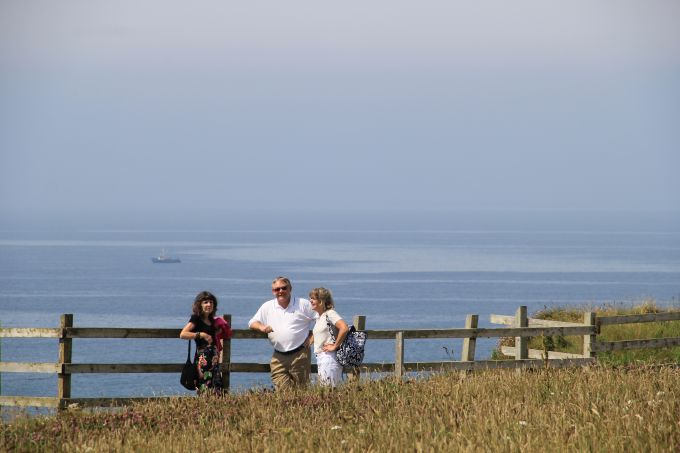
200,297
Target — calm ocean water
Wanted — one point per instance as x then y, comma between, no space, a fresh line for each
411,279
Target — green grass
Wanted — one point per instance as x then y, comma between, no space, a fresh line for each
574,344
579,409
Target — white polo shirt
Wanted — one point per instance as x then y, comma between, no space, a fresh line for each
291,324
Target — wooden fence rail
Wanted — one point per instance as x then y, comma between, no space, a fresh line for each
521,328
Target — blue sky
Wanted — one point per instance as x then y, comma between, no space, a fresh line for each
130,106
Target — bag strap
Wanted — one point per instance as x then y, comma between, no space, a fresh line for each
189,350
330,328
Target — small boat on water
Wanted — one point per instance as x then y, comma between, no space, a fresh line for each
162,258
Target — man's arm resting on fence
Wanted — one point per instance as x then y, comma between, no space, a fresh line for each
257,325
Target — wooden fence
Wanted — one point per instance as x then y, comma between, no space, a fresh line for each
519,326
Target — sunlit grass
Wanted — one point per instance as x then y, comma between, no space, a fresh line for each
579,409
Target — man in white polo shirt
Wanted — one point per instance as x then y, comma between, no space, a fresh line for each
287,321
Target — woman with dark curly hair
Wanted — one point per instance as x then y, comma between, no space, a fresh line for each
208,333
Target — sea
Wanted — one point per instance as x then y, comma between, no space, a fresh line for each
422,274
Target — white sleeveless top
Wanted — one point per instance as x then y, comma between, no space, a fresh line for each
321,333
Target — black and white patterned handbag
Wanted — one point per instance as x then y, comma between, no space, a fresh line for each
351,351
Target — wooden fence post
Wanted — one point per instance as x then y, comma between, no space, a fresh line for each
1,373
399,355
588,340
354,373
65,358
225,359
521,343
469,344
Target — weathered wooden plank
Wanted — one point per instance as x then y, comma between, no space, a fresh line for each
538,354
590,319
412,334
377,367
469,344
536,331
29,401
225,358
480,333
112,332
254,367
521,342
605,346
533,322
249,367
112,402
399,355
29,332
24,367
109,332
629,319
65,356
247,334
117,332
143,332
77,368
501,319
496,364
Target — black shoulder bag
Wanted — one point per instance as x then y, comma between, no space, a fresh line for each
189,375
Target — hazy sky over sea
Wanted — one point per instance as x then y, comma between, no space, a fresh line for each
132,106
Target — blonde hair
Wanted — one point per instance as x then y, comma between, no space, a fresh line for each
323,295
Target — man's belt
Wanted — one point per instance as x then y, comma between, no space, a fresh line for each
292,351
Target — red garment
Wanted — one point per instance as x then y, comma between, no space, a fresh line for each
222,332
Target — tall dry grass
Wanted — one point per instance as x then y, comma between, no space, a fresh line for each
581,409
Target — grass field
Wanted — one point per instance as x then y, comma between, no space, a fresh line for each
579,409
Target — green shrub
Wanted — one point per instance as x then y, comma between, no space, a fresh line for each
574,344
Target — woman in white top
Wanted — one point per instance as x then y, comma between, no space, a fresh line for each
329,370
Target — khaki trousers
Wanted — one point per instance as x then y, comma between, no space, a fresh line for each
290,370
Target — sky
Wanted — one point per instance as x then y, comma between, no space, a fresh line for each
129,108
